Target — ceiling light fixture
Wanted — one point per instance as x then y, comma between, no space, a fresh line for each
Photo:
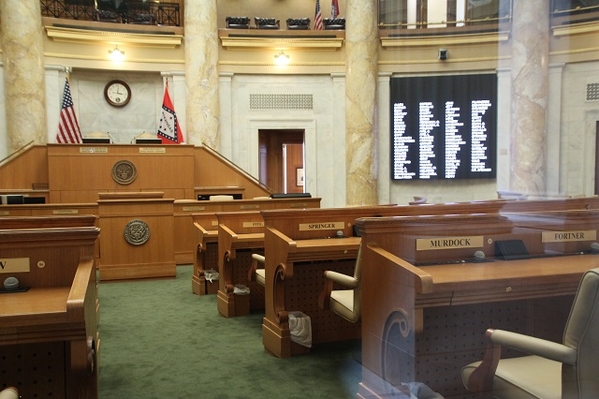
116,54
281,59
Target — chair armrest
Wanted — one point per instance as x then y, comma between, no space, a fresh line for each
256,258
534,346
324,299
342,279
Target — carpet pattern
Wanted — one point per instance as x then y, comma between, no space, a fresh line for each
159,340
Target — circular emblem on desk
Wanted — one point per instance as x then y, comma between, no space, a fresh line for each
124,172
137,232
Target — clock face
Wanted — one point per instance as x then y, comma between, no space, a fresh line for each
117,93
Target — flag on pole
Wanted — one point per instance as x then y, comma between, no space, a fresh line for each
68,126
318,17
169,130
334,9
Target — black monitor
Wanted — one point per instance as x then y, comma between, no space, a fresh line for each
96,140
290,195
148,141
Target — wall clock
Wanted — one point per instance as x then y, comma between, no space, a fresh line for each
117,93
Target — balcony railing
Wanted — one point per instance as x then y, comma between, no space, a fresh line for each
127,11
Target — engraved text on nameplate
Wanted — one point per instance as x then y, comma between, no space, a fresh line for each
14,265
427,244
253,224
321,226
569,236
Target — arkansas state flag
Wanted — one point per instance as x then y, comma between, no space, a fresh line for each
169,130
334,9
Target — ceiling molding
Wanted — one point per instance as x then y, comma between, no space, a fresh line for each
444,40
88,36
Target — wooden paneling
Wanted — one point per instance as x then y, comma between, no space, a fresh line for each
154,256
78,173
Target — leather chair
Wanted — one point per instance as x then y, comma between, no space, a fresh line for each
345,302
256,273
9,393
552,370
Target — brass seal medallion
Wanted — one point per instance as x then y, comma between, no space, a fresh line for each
137,232
124,172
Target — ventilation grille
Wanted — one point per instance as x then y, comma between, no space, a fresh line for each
281,101
593,92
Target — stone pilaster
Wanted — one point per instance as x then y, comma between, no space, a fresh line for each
201,72
361,38
529,76
24,74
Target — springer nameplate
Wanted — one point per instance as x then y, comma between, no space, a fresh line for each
322,226
14,265
569,236
428,244
253,224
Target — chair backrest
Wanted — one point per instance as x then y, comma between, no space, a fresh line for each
358,289
582,333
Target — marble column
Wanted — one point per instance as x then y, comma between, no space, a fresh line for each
361,40
529,78
201,72
24,74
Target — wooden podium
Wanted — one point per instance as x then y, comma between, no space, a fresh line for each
137,235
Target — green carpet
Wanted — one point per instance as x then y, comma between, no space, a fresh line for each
159,340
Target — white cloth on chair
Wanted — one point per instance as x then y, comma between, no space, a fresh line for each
300,328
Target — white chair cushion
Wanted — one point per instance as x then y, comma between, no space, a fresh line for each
342,303
527,377
261,277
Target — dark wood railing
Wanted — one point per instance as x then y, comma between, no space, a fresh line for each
128,11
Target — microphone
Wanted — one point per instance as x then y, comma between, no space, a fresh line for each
11,284
479,256
595,248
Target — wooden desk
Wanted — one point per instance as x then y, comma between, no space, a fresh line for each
204,228
55,321
239,235
298,249
206,253
423,323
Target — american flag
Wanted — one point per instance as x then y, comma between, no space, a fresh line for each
334,9
169,130
68,127
318,17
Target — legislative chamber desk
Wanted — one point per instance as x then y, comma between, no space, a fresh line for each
299,245
48,329
426,300
205,223
240,234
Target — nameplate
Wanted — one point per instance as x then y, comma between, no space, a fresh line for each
428,244
321,226
65,212
569,236
214,222
4,213
93,150
250,206
152,150
14,265
253,224
193,208
299,205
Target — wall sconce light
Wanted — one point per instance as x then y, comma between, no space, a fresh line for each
281,59
116,54
442,54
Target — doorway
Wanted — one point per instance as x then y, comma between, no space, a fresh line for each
281,160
